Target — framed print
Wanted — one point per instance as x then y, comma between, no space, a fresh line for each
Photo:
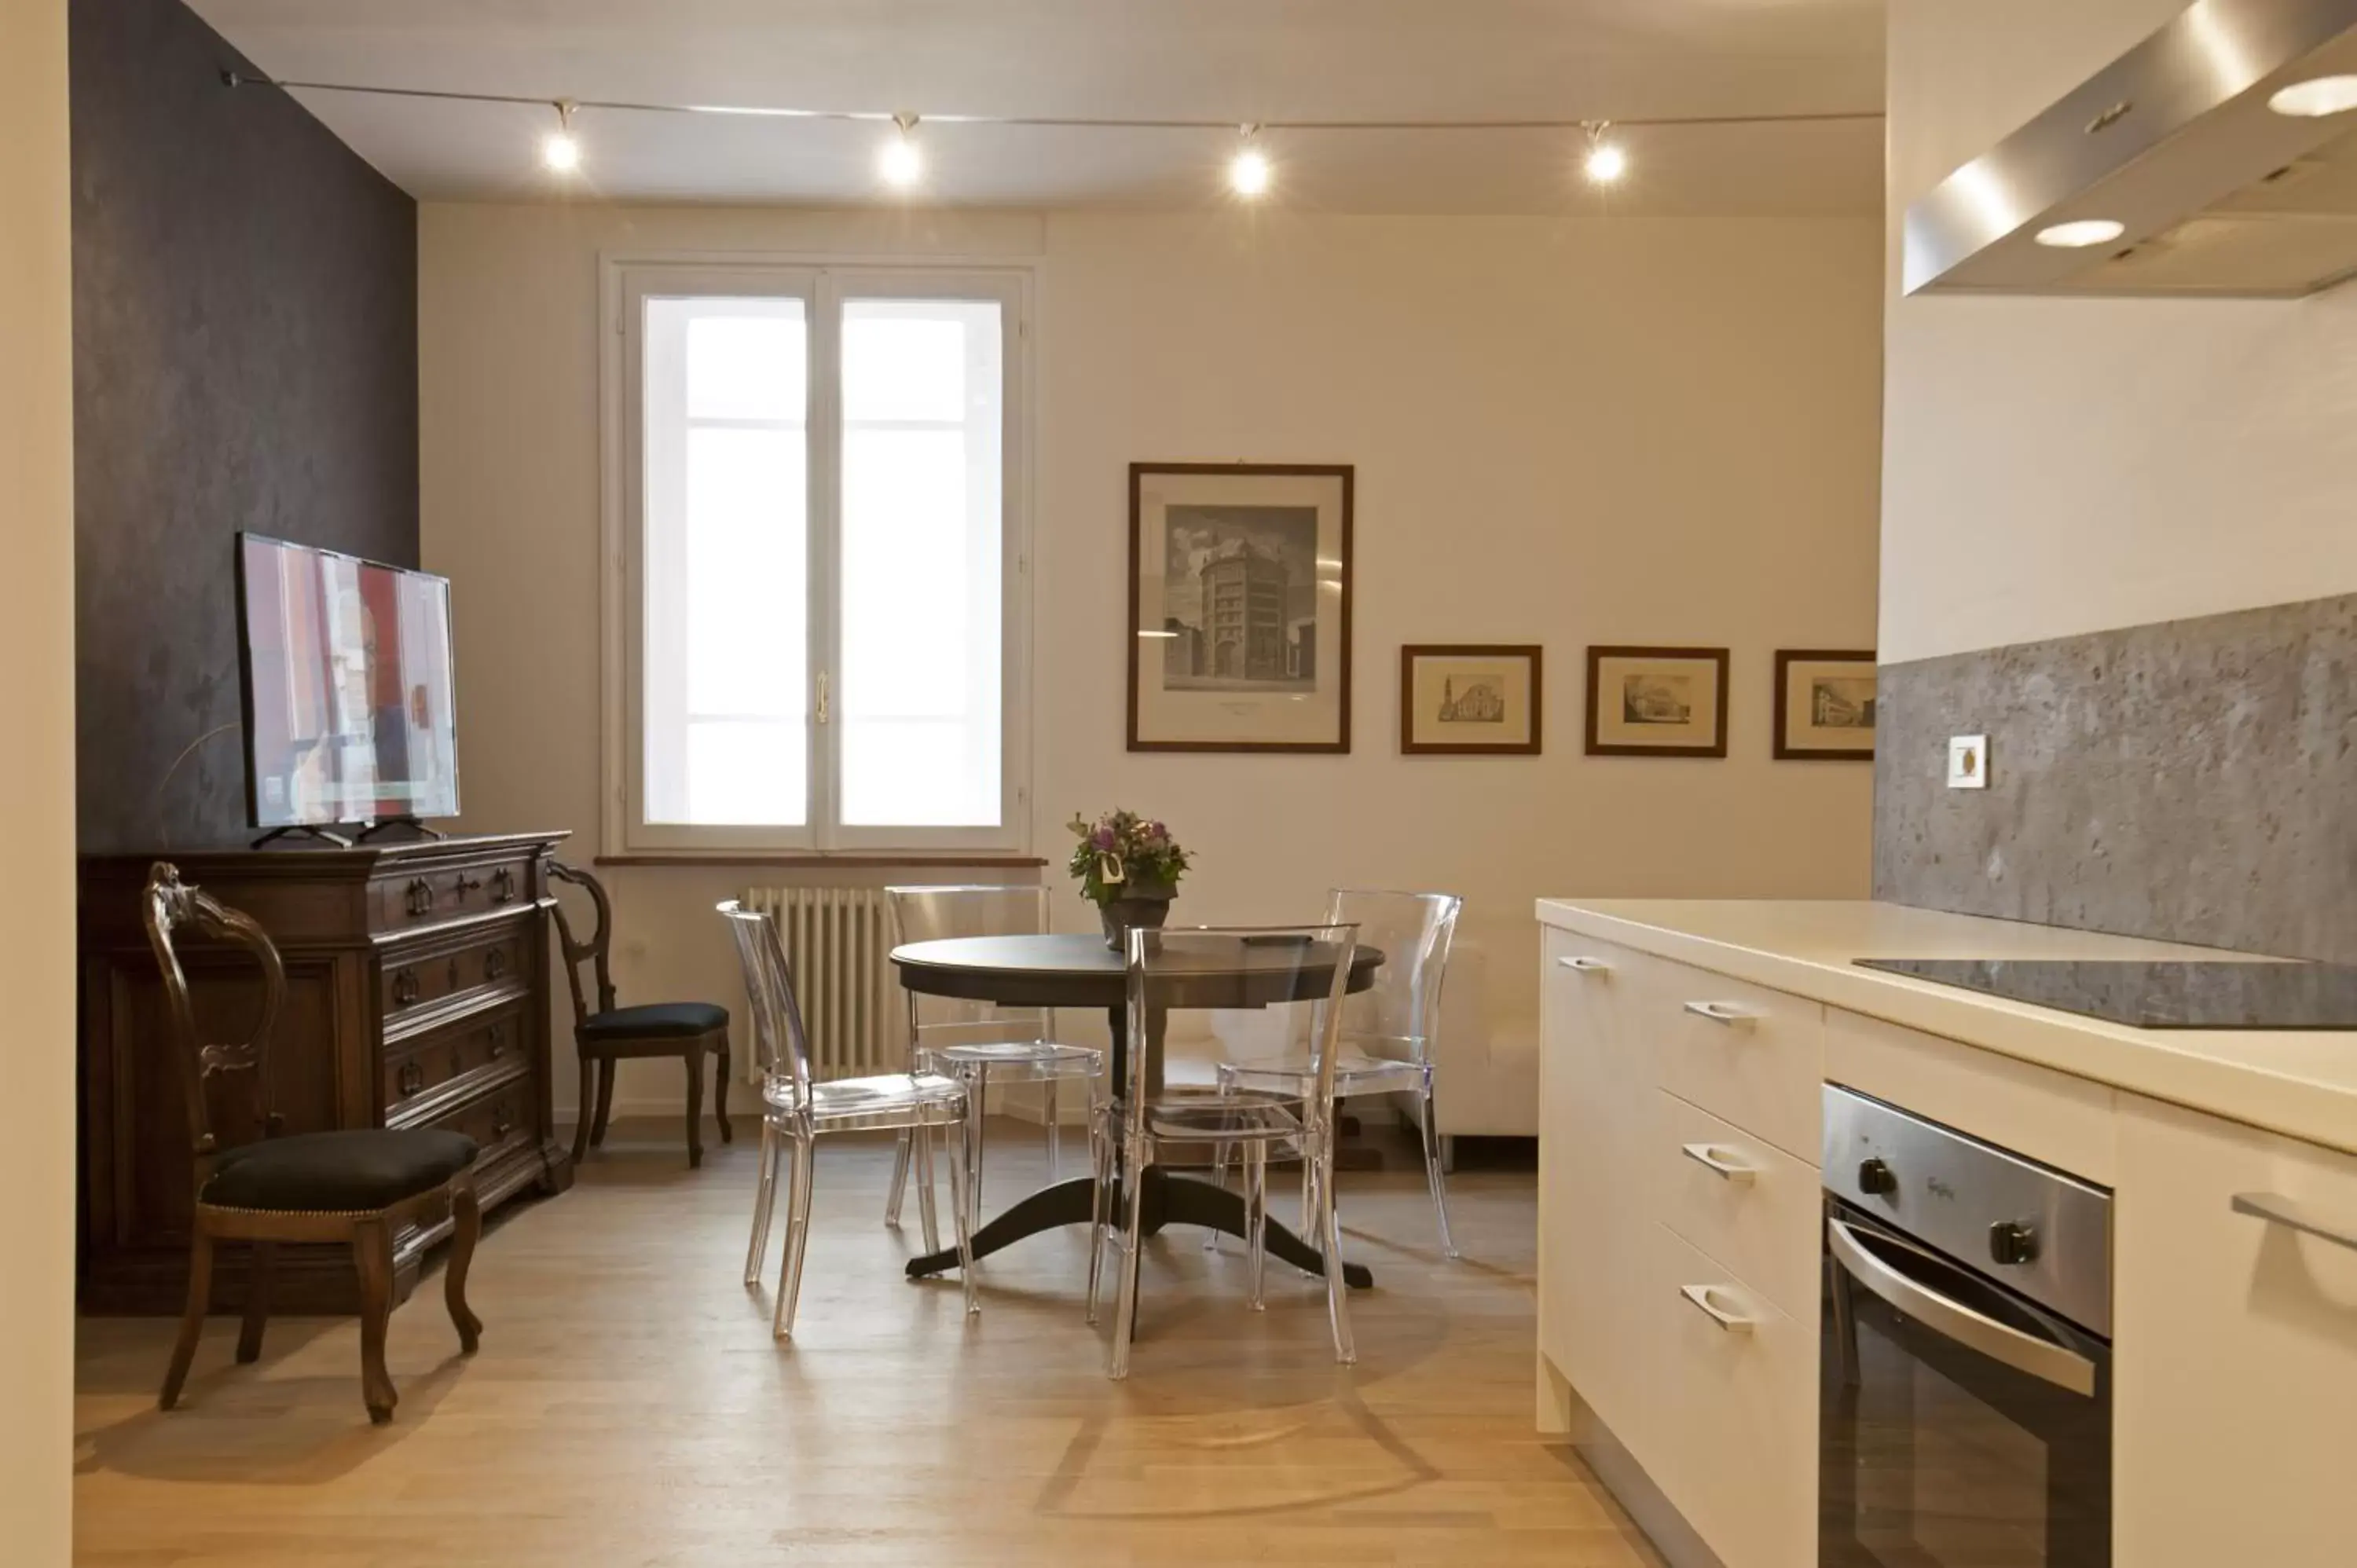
1470,699
1657,702
1824,705
1238,606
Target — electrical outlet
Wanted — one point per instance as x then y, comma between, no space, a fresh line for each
1968,762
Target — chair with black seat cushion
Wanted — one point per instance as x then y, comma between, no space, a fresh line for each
358,1186
688,1030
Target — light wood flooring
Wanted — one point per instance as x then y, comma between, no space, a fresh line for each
630,1407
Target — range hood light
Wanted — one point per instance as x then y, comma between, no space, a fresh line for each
2316,98
2085,232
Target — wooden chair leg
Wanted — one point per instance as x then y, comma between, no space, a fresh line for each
588,1109
694,1107
192,1319
257,1303
720,1095
373,1257
465,1229
605,1102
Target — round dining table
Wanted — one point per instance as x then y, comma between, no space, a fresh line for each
1069,971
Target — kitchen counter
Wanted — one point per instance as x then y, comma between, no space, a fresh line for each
2302,1084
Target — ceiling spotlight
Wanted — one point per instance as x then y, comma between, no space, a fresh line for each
1249,172
560,149
2078,235
902,162
2316,98
1606,162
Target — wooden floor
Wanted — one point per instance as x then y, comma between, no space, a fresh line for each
628,1406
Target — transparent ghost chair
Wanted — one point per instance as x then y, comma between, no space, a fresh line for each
797,1111
1387,1030
978,1043
1292,976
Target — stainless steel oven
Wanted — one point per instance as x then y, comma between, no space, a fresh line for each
1966,1406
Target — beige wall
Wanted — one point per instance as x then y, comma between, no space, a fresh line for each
1626,431
2056,466
36,1159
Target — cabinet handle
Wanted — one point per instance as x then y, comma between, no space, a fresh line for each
502,1119
412,1079
466,885
2278,1209
503,884
1582,965
1709,1158
498,1035
420,896
405,988
1733,1323
1723,1012
495,964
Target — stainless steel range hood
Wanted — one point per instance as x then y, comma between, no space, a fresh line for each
2214,192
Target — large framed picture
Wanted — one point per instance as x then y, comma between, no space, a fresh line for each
1470,700
1238,606
1657,702
1824,705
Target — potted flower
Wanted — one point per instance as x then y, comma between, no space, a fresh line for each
1129,868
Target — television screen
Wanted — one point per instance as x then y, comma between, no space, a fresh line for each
347,670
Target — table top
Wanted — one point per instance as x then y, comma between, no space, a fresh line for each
1076,971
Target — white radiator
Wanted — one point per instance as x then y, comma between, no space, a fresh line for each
838,943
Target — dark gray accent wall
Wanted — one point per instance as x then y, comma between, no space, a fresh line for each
245,357
2194,780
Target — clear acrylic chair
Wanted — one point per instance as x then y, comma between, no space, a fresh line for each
1296,978
1387,1030
797,1111
976,1042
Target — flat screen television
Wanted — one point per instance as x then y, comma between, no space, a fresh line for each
346,666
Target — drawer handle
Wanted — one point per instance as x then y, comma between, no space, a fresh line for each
495,964
1700,1295
413,1079
1710,1157
2277,1209
1578,965
405,989
1726,1013
499,1037
502,1119
503,884
466,885
420,896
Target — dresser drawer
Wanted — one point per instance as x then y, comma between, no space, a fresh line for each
1750,1056
406,900
499,1118
1743,1201
449,1062
462,968
1736,1443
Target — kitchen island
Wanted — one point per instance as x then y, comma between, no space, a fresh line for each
1686,1051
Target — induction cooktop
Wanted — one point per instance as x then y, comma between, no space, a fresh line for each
2199,994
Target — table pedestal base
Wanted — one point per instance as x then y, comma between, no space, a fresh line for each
1169,1200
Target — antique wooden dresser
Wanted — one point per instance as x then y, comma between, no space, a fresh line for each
418,983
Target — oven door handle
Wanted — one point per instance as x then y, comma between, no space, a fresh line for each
2043,1360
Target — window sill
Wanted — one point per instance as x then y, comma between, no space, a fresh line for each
847,861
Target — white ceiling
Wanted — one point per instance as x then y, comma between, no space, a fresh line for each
1225,59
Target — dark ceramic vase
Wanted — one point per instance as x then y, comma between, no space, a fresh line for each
1142,906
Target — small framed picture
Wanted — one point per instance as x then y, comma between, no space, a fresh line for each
1824,705
1238,606
1470,700
1657,702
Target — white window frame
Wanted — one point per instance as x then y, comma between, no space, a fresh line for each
626,282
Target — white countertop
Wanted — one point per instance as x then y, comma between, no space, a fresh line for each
2301,1083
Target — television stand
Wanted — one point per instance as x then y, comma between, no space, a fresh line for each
303,831
423,832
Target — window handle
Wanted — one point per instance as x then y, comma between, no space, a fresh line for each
822,696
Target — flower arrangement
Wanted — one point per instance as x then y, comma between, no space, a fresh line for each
1123,856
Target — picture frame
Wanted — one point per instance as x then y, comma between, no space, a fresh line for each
1460,699
1240,600
1824,700
1657,702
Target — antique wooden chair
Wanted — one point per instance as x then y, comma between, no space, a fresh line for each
358,1185
689,1030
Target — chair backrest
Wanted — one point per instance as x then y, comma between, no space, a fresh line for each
779,1043
171,906
593,951
1292,978
1399,1016
931,914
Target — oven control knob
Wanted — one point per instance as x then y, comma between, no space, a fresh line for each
1875,1178
2011,1241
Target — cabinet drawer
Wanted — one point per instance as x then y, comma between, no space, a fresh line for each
497,1121
1750,1056
425,980
1743,1201
429,1067
401,900
1737,1446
